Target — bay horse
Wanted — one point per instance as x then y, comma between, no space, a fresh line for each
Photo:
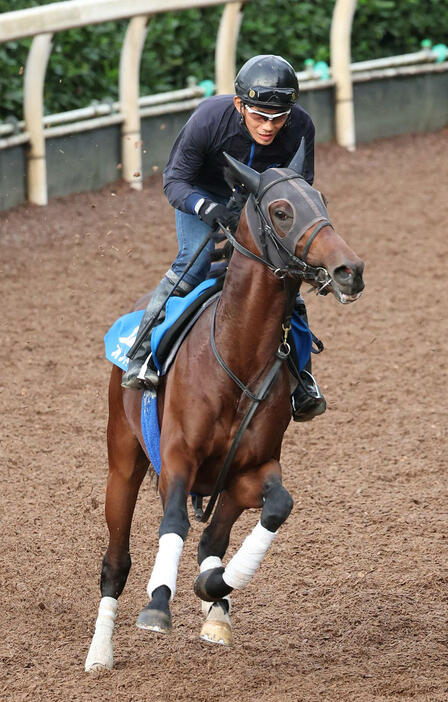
230,364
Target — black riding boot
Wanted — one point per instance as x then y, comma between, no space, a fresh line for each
307,400
150,377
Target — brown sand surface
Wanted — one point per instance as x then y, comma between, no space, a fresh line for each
351,601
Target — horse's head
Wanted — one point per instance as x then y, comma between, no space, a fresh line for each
289,224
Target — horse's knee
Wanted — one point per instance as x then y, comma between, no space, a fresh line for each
277,506
175,516
114,575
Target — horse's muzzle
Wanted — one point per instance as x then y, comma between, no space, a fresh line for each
347,282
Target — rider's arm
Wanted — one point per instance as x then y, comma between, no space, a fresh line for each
185,163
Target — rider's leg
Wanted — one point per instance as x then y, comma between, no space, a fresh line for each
307,400
190,234
131,378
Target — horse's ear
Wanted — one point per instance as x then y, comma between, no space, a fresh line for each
298,160
243,175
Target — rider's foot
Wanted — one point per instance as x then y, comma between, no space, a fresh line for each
130,379
307,400
151,379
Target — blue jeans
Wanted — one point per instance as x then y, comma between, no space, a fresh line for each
191,231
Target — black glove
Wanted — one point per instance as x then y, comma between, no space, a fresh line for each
212,213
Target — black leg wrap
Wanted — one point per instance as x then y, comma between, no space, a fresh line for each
210,586
175,517
160,598
156,616
113,579
277,506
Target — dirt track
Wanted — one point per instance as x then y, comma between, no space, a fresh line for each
351,602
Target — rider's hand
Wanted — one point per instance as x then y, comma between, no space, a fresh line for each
212,213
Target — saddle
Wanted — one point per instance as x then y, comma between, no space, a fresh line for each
168,336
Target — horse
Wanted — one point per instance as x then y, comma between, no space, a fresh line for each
228,380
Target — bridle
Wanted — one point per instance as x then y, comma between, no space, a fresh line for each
291,266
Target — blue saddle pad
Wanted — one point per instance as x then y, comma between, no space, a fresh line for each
150,428
303,339
121,337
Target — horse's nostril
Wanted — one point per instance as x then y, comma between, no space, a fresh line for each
343,274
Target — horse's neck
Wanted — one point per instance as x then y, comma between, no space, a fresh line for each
250,315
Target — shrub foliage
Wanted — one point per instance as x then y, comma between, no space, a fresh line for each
83,66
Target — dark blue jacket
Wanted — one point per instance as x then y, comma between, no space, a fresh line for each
197,161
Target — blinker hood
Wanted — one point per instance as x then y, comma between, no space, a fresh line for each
279,184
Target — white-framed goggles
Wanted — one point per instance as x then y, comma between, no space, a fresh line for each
266,115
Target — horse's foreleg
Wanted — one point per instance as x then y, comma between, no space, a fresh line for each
217,582
277,505
173,531
212,547
127,468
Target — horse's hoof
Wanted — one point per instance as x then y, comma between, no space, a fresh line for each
154,620
217,632
97,668
100,656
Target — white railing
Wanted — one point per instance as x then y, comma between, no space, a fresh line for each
42,22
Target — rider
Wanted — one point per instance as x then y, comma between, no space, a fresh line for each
260,125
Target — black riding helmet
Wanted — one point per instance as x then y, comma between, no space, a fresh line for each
267,81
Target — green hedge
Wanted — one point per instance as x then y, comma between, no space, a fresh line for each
83,65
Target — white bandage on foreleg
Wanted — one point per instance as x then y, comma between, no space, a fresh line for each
167,563
242,566
101,651
210,562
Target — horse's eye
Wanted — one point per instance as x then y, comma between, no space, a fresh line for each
281,215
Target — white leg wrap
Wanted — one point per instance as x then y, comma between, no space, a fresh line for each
207,564
242,566
100,653
210,562
167,563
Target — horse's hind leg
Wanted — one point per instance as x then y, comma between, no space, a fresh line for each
173,531
212,547
127,468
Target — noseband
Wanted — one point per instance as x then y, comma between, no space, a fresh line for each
291,265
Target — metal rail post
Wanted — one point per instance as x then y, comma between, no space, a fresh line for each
225,52
340,47
36,66
130,57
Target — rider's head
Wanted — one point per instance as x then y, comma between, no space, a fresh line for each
266,89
